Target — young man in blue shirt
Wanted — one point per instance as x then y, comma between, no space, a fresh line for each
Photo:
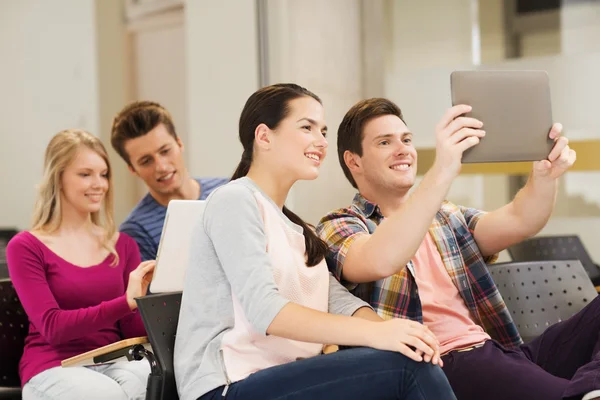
144,135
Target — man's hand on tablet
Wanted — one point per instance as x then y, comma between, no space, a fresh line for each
560,159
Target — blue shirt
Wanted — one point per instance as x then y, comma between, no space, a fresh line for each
144,224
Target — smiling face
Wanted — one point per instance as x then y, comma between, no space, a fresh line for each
84,182
389,159
157,158
298,143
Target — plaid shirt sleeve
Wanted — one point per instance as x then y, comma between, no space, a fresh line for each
495,316
472,217
339,229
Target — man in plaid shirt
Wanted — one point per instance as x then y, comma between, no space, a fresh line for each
420,257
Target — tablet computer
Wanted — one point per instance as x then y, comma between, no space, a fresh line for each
174,249
515,109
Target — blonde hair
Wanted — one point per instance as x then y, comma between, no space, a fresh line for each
61,151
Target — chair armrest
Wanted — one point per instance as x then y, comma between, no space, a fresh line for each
110,353
330,348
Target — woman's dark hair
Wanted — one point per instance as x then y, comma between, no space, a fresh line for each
270,105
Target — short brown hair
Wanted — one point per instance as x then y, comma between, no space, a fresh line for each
135,120
350,131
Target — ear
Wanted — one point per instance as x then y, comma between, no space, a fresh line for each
179,143
262,136
352,161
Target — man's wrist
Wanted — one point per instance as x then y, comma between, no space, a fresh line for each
438,176
542,181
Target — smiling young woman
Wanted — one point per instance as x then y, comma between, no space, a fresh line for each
77,278
259,301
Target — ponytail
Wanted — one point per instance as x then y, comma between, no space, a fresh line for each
316,249
269,106
243,167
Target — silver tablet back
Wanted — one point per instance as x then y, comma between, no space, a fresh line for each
515,109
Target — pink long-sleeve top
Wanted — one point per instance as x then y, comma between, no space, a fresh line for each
71,309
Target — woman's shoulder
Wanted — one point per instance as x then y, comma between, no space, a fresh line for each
124,242
28,239
25,245
235,196
126,248
237,189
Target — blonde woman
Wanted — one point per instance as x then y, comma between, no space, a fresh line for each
77,278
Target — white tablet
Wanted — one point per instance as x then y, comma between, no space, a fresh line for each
183,216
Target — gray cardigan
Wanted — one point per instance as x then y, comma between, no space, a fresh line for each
229,257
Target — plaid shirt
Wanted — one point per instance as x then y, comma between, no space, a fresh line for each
397,296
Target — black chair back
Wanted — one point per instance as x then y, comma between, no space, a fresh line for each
556,248
160,313
3,270
541,293
5,236
14,327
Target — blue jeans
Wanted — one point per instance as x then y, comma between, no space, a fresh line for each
358,373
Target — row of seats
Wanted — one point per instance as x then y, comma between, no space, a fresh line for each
567,247
541,293
5,236
160,313
538,294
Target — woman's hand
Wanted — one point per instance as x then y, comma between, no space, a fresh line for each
139,280
410,338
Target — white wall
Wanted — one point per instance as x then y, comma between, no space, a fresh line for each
580,26
428,39
222,72
492,30
330,68
113,91
48,81
432,33
542,43
52,58
158,70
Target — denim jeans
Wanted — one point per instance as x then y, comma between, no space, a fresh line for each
119,381
353,374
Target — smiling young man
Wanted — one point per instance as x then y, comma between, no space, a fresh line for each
415,255
144,135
